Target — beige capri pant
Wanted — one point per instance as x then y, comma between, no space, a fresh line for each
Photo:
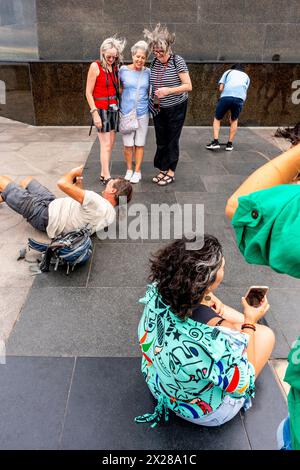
139,136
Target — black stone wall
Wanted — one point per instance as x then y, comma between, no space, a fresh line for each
206,30
44,93
52,42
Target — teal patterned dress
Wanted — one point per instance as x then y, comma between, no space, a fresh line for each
190,366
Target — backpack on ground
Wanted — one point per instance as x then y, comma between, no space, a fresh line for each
71,249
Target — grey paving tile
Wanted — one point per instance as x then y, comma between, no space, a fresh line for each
222,183
59,278
214,203
78,322
232,297
107,394
126,265
286,312
210,167
242,157
241,273
238,168
269,408
34,392
187,177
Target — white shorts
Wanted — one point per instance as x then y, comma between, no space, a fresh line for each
226,411
137,137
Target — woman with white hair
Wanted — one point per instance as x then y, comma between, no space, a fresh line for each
135,82
170,83
102,93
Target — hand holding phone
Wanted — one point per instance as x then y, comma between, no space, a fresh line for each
255,303
255,295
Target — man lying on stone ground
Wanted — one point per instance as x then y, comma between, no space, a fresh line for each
57,216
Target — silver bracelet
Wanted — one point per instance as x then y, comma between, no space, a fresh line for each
92,110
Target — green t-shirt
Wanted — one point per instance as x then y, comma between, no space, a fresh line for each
267,228
190,365
292,377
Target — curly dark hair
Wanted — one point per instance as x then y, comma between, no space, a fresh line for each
182,276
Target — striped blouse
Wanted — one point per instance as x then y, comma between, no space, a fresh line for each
167,76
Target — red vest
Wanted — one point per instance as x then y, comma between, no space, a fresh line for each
104,87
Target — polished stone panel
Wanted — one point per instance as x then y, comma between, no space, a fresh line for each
18,42
220,11
18,32
174,11
60,41
17,12
240,41
269,101
122,11
58,93
65,30
282,39
69,11
93,35
16,98
270,11
196,41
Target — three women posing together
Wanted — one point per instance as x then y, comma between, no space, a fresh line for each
163,89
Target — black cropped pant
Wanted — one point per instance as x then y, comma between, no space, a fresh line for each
168,126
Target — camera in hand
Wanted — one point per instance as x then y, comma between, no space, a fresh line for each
255,295
113,107
155,102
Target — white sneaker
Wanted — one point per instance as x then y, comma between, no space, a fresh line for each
128,175
136,177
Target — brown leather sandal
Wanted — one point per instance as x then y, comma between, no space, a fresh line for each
167,179
159,176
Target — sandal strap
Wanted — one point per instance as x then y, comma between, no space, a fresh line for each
158,178
167,179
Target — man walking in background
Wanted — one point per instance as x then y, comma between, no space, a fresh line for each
233,86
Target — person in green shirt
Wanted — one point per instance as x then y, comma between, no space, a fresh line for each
288,433
265,214
200,358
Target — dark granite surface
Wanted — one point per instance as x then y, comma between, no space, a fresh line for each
90,403
90,319
54,93
205,29
18,102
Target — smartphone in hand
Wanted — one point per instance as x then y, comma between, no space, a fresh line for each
255,295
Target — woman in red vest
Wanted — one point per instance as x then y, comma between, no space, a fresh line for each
102,93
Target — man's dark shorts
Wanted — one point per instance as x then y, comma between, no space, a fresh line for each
32,203
229,103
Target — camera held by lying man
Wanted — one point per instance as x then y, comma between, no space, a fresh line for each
57,216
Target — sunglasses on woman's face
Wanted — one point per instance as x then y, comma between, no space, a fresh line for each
158,51
111,57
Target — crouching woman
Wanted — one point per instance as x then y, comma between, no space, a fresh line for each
200,357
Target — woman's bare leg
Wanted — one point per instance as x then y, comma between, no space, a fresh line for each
281,170
264,340
128,154
105,152
139,155
264,344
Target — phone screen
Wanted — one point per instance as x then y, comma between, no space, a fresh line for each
255,296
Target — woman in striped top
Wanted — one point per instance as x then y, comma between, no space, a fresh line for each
170,83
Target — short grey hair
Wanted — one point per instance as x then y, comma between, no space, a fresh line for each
113,43
160,37
142,45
